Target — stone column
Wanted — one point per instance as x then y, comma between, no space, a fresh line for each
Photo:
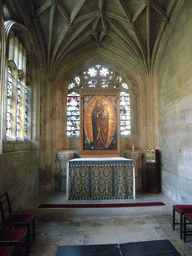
63,157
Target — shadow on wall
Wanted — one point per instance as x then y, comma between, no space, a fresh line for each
45,175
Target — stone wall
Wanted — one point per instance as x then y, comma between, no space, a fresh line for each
19,175
174,71
19,159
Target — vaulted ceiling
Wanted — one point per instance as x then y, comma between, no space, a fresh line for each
127,32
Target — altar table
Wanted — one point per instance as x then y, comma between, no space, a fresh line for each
100,178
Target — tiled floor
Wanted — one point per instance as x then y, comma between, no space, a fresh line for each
56,227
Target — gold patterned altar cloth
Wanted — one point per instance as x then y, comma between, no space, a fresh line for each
100,178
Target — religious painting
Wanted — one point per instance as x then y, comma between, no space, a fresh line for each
100,122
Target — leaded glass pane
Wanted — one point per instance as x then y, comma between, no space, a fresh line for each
73,114
77,80
119,79
104,72
98,66
71,86
124,85
26,120
125,118
9,103
92,83
18,108
104,83
92,72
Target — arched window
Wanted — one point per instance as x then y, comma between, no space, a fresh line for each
99,78
18,91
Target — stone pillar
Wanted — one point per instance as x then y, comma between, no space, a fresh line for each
63,157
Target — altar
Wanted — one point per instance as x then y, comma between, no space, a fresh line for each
100,178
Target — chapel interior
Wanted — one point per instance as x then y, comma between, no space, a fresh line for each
48,48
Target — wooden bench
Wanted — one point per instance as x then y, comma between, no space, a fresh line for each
180,209
187,220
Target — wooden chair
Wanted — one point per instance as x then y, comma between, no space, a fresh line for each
17,238
19,220
7,250
180,209
187,220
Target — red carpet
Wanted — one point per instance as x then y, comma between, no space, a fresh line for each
110,205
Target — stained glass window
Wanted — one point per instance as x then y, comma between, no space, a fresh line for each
97,77
18,119
92,72
9,102
27,104
125,116
73,114
17,107
104,72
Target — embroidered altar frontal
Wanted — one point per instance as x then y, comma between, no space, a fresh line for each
100,178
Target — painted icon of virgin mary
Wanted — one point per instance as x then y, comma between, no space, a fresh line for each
100,122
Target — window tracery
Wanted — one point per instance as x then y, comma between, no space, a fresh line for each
97,77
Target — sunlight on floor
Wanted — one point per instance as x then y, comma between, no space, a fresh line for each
88,226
